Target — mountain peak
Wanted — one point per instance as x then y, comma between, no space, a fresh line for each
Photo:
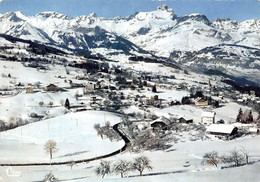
52,14
164,8
93,15
14,16
194,17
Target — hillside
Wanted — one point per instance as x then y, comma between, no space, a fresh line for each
173,92
155,34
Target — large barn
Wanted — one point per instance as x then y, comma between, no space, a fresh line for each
222,131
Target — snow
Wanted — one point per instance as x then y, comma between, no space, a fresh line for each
24,104
208,114
162,119
74,133
221,128
166,33
167,165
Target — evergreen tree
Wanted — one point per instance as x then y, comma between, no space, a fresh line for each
154,89
185,100
250,117
67,104
209,84
216,104
239,116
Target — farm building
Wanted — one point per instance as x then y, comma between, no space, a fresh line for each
201,102
183,120
29,90
208,117
160,123
222,131
52,87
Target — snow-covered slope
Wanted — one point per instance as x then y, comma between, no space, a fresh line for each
59,30
72,132
235,60
160,31
190,39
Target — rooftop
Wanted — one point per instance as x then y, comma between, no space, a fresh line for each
221,128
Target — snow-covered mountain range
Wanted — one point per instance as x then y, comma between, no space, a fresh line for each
190,39
160,31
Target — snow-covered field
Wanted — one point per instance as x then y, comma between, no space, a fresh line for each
182,162
74,133
228,112
77,139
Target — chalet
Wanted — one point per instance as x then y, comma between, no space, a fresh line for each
155,97
161,123
253,130
112,87
128,82
201,102
183,120
93,99
131,87
82,77
29,90
208,117
90,86
222,131
240,100
52,87
101,84
252,94
76,85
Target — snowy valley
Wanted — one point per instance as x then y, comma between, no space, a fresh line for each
90,98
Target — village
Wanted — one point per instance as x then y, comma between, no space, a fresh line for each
161,108
117,89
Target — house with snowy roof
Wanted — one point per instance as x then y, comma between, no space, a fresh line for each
222,131
201,102
52,88
160,123
208,117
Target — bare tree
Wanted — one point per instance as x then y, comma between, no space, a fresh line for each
235,157
141,163
50,178
50,147
41,103
103,169
211,158
99,130
50,103
71,164
122,167
62,102
107,124
246,155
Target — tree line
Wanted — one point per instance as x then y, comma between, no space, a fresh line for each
122,167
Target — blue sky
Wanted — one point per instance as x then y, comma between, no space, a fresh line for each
239,10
